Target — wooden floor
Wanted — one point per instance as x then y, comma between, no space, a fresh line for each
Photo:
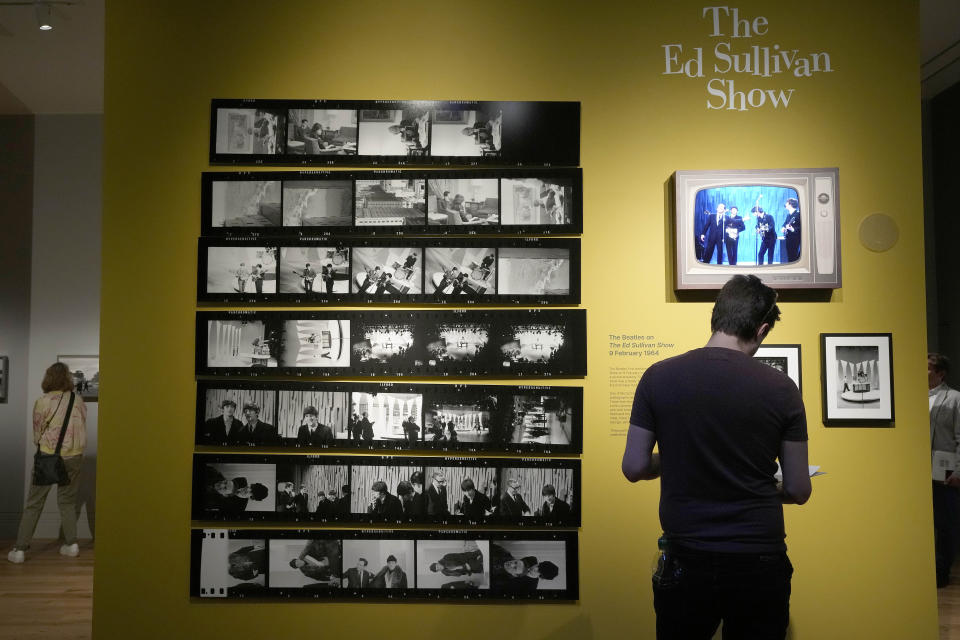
49,595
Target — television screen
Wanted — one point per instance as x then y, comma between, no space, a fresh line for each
747,225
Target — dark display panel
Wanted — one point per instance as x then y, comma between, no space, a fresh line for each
384,564
378,489
394,132
481,418
390,203
448,271
548,342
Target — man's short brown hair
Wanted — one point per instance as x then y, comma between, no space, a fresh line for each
940,363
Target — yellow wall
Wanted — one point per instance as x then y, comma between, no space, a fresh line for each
862,547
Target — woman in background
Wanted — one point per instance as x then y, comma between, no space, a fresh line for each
49,413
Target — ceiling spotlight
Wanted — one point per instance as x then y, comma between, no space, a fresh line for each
44,16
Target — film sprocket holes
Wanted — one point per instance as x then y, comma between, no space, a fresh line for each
384,564
462,271
392,202
482,418
361,489
549,342
391,132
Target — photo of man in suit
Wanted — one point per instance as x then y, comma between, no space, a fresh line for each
418,502
462,563
766,235
791,229
226,427
474,505
712,235
358,577
512,505
437,495
384,504
311,432
314,563
732,226
257,431
391,576
553,509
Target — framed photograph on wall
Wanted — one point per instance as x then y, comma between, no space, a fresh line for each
4,374
86,375
856,372
785,358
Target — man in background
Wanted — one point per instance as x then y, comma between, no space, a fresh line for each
945,444
723,554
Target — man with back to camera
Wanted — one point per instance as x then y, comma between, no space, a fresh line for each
720,506
712,234
944,438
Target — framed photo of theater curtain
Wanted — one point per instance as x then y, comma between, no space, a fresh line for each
856,373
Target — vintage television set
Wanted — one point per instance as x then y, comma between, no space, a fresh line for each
782,225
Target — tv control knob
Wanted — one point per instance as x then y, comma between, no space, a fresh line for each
823,198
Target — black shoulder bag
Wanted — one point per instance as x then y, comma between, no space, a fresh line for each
48,468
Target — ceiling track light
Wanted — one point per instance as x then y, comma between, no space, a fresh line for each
44,15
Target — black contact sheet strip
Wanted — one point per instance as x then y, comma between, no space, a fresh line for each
444,417
472,343
386,489
384,564
353,271
392,202
394,132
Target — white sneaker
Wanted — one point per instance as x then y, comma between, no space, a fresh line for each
15,556
72,550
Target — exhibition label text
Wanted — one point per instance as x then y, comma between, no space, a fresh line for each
758,60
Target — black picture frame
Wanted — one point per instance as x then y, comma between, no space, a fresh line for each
394,132
473,343
858,391
308,481
784,358
260,562
468,272
527,201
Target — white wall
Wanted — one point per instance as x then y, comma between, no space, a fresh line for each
65,275
16,187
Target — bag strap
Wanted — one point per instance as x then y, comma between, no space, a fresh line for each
66,421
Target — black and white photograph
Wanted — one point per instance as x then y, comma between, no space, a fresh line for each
390,343
4,377
385,416
463,201
311,271
785,358
245,203
468,416
250,131
457,342
390,203
385,492
385,563
525,566
231,567
533,271
239,416
857,378
241,344
387,271
313,491
304,563
541,419
544,493
322,132
464,134
317,203
453,564
231,489
86,375
453,272
395,132
539,343
316,343
313,418
532,201
470,492
242,270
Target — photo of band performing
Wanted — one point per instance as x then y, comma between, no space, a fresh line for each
480,201
244,487
469,271
370,132
362,564
397,416
747,225
548,342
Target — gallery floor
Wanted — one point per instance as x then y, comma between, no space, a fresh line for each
50,596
